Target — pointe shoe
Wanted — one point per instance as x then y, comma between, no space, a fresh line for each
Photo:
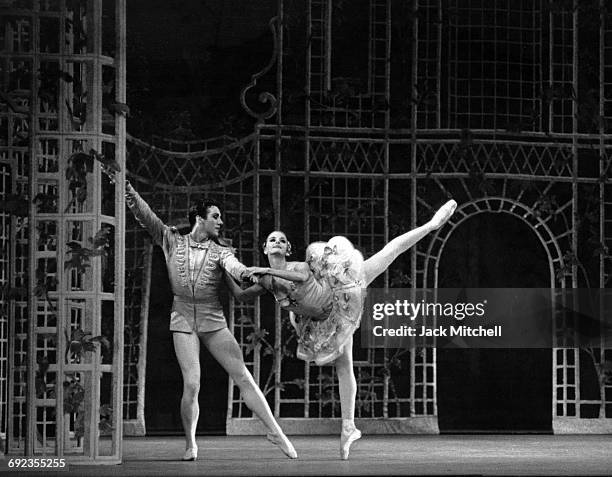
346,439
443,214
284,444
191,454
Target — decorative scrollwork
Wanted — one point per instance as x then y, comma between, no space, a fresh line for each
264,97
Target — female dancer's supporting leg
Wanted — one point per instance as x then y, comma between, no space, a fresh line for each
224,348
348,391
373,267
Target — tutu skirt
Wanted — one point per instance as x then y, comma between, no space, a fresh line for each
341,265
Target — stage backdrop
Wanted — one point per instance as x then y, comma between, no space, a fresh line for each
366,122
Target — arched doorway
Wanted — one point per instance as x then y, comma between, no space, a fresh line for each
494,390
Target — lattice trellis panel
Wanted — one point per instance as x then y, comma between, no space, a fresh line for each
181,172
18,312
138,253
529,202
592,408
494,65
495,158
604,354
563,68
15,156
62,66
346,157
512,178
345,192
545,199
319,58
379,64
506,70
5,235
212,165
428,27
170,180
509,67
353,207
605,69
333,98
578,406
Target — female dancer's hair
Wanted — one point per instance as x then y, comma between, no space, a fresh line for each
263,245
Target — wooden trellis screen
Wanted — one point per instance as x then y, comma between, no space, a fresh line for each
501,132
304,397
220,168
62,84
496,110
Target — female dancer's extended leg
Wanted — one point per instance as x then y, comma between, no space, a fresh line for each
348,391
224,348
379,262
187,349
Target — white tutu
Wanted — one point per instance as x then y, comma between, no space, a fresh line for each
341,266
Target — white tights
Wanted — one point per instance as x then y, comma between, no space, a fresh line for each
380,261
373,266
346,381
224,348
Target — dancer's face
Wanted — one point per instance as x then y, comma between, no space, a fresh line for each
277,243
211,225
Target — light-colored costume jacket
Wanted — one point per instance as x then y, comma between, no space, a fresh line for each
195,270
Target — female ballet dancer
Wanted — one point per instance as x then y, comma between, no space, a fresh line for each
326,294
195,263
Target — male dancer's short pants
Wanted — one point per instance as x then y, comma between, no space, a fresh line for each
199,315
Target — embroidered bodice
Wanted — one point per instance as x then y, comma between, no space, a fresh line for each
311,298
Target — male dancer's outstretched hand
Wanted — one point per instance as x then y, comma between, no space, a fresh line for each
110,173
443,214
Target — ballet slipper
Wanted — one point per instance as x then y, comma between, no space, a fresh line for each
346,439
443,214
284,444
191,454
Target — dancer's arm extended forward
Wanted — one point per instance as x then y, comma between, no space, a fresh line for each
231,264
145,216
298,274
248,294
141,210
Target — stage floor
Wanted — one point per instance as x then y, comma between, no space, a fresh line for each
372,455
